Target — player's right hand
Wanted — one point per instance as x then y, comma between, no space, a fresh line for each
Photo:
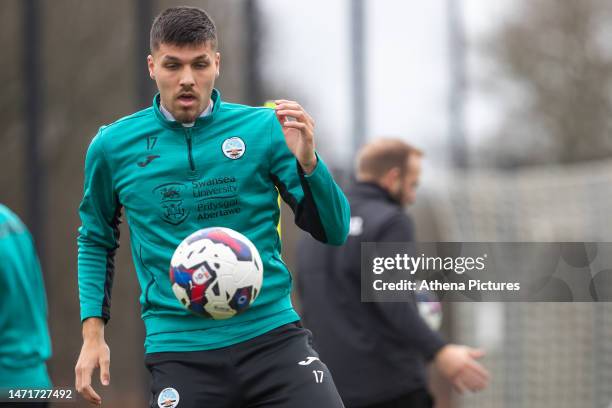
94,354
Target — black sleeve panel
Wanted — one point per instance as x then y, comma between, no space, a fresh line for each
110,265
305,212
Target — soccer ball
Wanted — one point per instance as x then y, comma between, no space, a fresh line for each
216,273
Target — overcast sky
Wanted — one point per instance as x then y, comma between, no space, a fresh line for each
407,68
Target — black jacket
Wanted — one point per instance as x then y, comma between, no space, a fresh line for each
375,351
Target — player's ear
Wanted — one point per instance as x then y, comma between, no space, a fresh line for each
151,66
218,63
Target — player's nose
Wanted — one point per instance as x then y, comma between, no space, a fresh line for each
187,78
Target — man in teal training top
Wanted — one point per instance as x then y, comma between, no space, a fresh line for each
193,161
24,336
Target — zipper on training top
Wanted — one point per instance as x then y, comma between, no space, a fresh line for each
189,148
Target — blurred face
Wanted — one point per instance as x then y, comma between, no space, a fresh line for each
185,77
403,187
410,181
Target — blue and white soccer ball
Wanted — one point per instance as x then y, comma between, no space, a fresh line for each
216,273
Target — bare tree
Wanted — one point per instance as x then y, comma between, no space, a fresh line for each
558,56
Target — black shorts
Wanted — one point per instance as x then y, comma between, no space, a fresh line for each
416,399
277,369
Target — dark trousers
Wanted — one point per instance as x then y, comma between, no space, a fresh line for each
416,399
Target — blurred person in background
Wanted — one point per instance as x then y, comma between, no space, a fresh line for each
24,336
377,352
154,164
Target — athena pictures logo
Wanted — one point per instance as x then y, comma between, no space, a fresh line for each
168,398
233,148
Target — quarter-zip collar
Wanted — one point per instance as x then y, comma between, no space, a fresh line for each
371,190
201,121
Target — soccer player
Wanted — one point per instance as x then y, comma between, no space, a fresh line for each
193,161
24,336
377,351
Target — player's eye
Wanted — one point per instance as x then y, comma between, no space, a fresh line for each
171,66
201,65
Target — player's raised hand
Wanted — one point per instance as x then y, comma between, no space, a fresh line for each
94,354
299,133
458,364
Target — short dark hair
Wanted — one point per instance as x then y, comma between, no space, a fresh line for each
183,26
379,156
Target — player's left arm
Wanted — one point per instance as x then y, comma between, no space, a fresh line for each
302,177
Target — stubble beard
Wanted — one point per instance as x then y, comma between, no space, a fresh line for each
186,115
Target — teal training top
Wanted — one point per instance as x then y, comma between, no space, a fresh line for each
24,335
226,170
